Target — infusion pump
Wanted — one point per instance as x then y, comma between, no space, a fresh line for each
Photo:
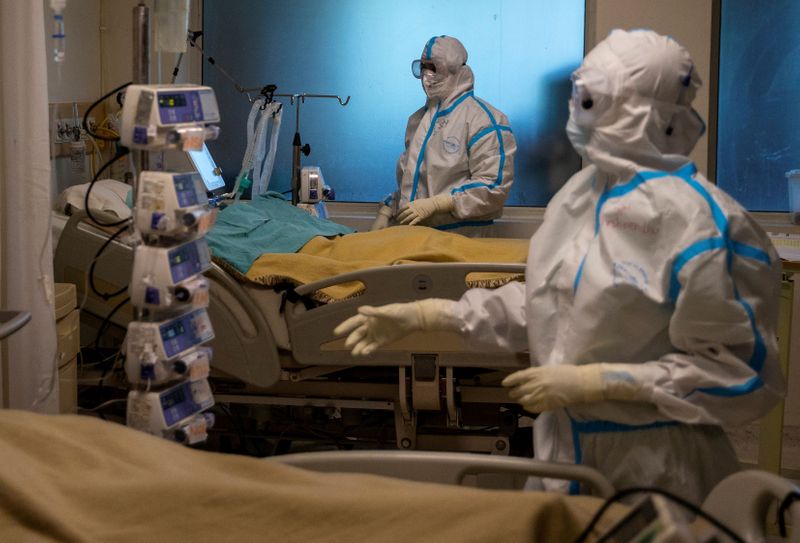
174,413
167,362
169,116
172,205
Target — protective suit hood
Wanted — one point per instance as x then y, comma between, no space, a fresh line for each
631,104
453,76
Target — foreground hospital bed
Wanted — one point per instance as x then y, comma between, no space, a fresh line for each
78,478
274,346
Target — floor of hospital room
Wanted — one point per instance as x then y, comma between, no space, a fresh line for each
745,441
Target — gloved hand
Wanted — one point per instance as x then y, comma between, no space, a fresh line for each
544,388
421,209
375,327
382,219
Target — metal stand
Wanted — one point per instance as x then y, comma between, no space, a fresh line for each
268,91
295,99
141,71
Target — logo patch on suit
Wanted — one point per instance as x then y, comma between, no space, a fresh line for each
630,273
451,145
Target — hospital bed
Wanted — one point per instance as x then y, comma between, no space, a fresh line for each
752,503
276,348
78,478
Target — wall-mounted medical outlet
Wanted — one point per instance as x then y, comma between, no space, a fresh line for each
68,130
65,126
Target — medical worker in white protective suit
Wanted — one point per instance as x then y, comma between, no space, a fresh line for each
458,163
650,301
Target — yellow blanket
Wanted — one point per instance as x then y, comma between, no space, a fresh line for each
77,478
321,258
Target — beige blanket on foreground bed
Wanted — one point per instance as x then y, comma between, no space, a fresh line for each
322,257
77,478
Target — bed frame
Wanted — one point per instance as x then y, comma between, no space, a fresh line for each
748,502
262,357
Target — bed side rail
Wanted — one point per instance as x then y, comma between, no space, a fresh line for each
246,352
311,330
443,278
76,249
442,467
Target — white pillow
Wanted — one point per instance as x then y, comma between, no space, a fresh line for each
107,195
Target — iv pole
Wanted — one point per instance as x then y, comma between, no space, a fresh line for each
297,147
141,67
268,92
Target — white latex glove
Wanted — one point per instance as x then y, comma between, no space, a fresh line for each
421,209
375,327
382,219
544,388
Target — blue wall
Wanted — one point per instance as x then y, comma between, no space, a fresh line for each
759,113
522,52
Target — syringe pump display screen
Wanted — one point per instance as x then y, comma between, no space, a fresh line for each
173,398
172,331
171,100
176,336
185,261
184,107
185,332
185,190
178,404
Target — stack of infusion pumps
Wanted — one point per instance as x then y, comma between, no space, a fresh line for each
167,360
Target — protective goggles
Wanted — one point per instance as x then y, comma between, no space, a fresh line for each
418,65
591,96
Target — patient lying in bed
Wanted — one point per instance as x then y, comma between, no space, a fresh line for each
77,478
270,242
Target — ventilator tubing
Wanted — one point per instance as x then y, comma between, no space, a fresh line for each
255,153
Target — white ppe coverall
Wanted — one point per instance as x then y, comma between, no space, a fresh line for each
641,262
457,144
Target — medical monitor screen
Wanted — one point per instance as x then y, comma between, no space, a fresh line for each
171,100
185,261
521,52
207,168
759,118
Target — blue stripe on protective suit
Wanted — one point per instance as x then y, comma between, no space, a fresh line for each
421,156
454,225
487,130
759,354
602,426
622,190
748,251
496,128
615,192
267,224
685,256
429,46
723,241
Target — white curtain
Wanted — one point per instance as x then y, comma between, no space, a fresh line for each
30,374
